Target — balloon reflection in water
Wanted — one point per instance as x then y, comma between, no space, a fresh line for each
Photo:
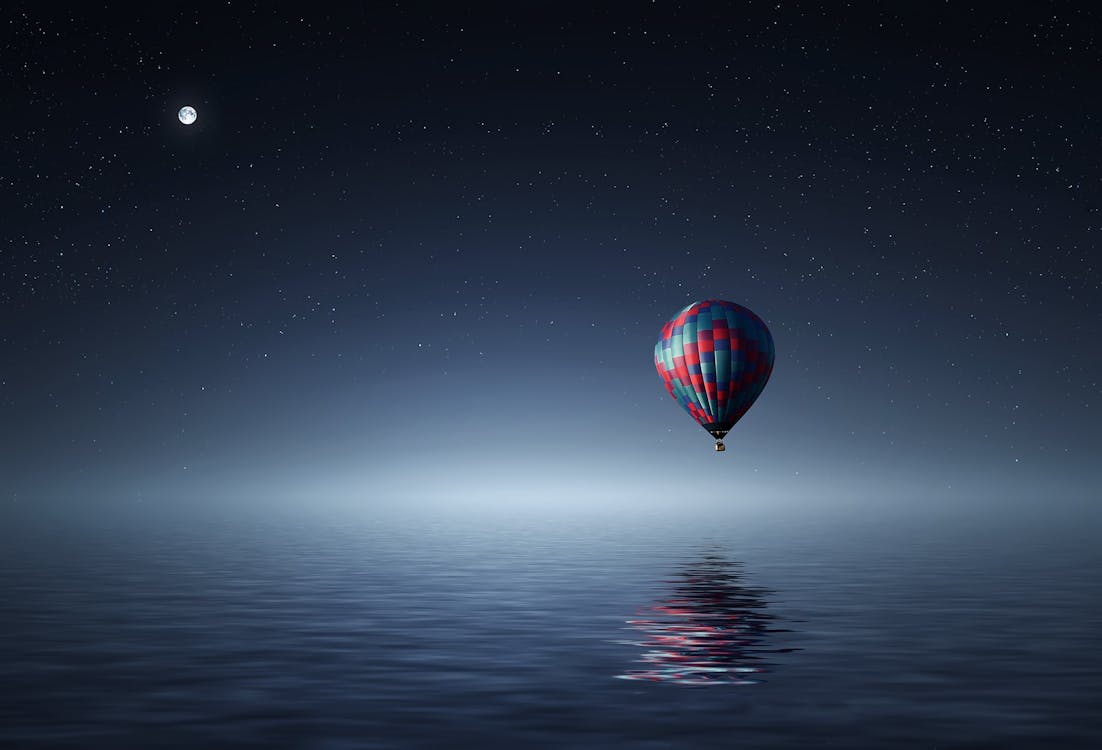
714,630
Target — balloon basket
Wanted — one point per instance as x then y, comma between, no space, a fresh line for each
720,446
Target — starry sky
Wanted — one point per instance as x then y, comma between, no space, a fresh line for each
415,253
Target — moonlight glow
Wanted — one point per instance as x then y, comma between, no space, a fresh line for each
187,115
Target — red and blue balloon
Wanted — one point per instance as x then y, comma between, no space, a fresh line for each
715,358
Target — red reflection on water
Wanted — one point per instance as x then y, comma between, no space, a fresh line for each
713,630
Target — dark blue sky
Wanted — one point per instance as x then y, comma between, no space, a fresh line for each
420,253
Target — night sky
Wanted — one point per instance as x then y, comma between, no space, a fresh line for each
412,253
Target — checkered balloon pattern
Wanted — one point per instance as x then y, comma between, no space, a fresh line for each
715,358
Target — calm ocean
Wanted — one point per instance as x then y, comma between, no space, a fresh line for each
338,630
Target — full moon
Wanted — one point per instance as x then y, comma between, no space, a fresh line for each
187,115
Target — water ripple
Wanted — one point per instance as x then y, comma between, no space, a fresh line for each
714,629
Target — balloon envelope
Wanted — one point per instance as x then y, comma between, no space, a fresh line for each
715,358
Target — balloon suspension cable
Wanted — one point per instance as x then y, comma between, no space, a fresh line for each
718,433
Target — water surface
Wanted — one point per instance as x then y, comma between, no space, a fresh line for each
345,630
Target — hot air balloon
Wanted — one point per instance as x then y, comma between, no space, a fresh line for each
715,358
